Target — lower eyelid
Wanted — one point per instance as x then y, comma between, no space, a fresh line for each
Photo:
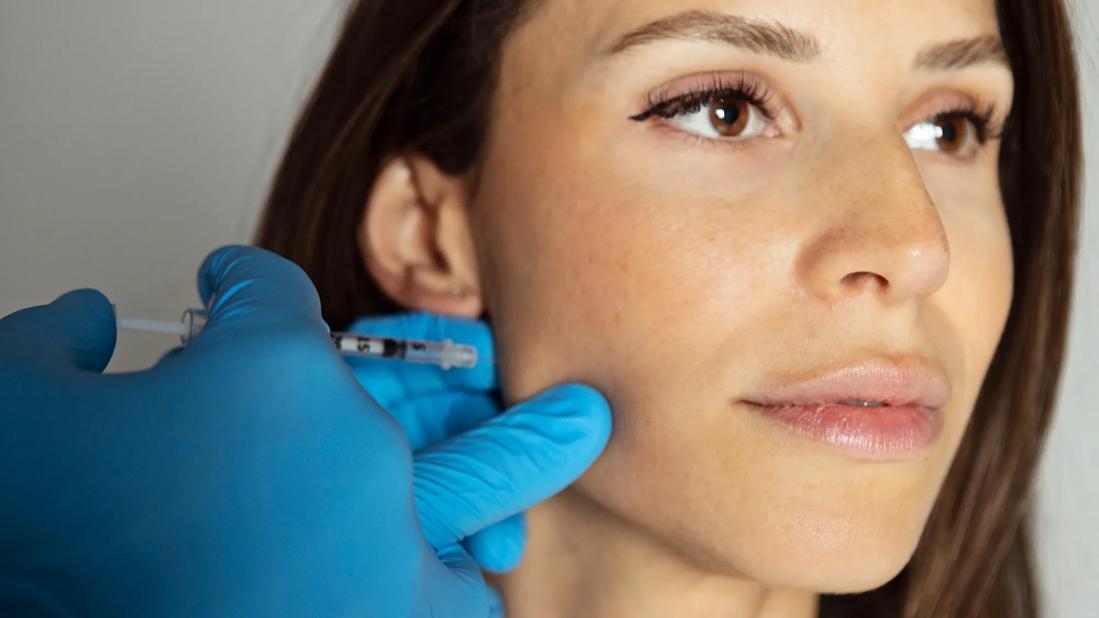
706,142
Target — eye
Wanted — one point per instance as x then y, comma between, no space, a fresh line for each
723,118
959,134
717,109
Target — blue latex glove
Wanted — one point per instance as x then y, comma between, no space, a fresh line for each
433,405
249,474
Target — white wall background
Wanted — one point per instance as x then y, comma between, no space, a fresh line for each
136,135
1068,483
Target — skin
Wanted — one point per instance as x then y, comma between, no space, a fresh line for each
679,277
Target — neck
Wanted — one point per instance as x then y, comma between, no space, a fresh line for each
582,560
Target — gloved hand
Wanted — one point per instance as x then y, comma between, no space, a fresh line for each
249,474
432,406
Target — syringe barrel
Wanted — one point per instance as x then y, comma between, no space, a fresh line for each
445,354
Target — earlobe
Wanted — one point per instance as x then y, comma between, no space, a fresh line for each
415,238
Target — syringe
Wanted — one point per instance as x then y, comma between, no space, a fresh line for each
445,354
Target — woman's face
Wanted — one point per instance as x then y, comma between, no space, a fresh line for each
686,261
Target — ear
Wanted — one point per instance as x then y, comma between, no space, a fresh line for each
415,238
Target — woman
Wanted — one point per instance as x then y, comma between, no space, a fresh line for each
704,209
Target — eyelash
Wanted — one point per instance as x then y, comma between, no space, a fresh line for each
707,91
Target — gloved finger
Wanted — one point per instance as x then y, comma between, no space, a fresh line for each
401,380
510,463
462,592
430,419
499,548
78,328
247,289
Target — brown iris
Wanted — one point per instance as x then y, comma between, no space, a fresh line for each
954,133
730,116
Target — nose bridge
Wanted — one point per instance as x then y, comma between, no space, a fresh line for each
882,234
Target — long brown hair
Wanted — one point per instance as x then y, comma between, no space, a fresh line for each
419,75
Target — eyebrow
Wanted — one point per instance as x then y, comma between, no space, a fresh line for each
962,53
756,36
781,41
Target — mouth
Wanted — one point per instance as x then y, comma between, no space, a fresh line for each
865,404
877,410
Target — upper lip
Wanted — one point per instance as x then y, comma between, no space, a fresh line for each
908,381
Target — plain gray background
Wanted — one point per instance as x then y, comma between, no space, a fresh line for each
136,135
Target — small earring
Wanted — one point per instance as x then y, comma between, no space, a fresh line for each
457,291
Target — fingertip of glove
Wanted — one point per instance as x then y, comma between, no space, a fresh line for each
87,327
582,404
500,547
236,276
575,394
86,299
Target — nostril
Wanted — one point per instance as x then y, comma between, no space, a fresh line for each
859,280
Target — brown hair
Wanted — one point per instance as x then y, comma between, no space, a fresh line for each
419,75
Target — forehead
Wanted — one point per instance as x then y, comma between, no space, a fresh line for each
567,38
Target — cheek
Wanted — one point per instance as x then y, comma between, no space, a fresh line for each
596,278
973,304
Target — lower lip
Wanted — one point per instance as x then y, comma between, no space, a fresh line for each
882,433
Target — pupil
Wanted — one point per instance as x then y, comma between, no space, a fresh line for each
726,113
950,132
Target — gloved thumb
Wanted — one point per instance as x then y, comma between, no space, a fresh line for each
78,328
248,288
510,463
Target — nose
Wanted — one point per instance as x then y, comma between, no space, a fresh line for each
881,233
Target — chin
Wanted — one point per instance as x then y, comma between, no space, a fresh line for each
847,574
818,554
